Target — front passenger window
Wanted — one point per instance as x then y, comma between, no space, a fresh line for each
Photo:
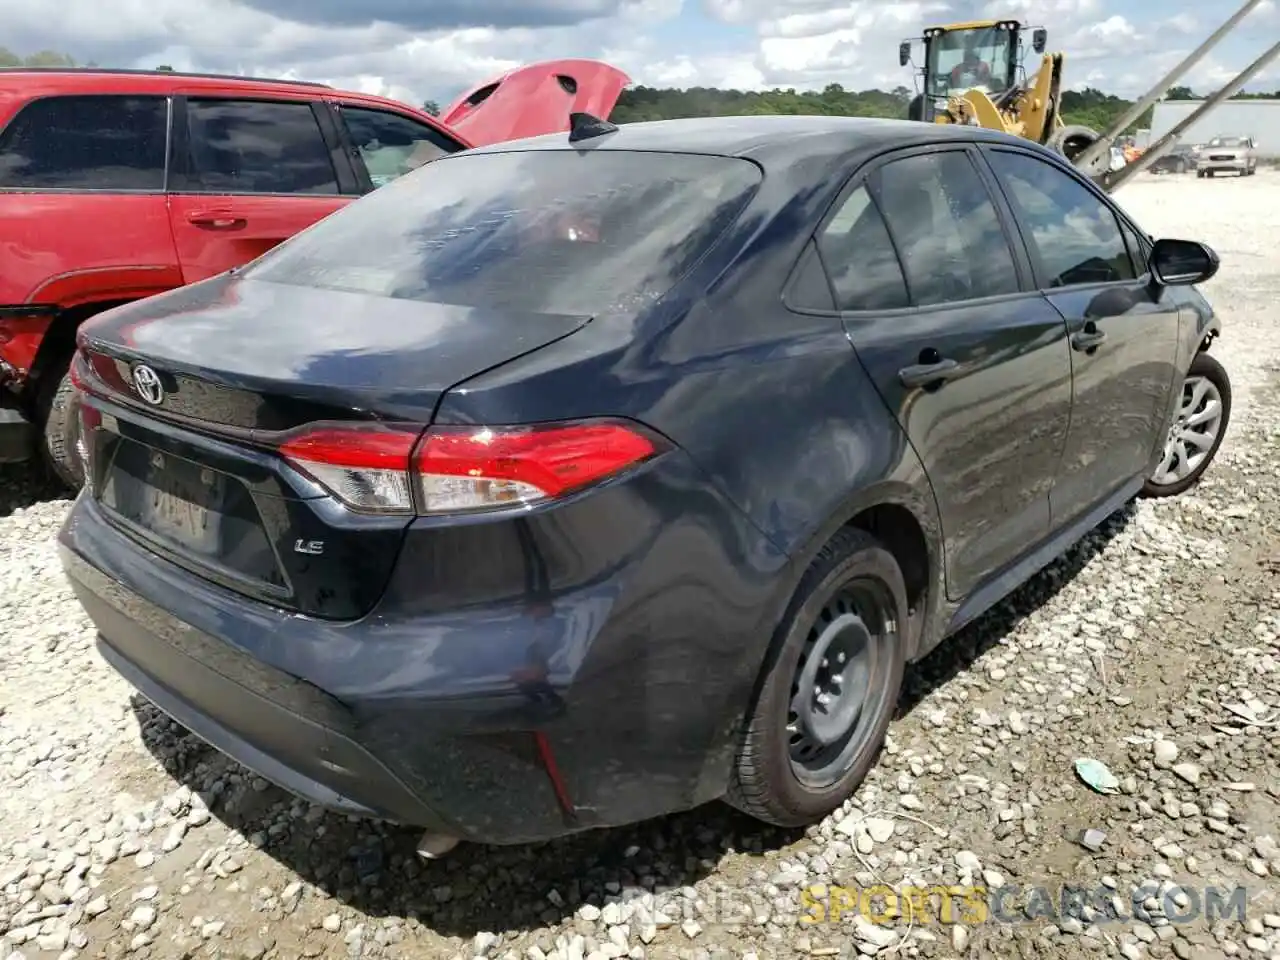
1137,248
1074,234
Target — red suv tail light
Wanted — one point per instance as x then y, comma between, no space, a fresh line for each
387,469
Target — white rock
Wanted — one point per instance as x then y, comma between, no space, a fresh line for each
1165,752
879,829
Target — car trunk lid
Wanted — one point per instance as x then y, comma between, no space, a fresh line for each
190,397
258,355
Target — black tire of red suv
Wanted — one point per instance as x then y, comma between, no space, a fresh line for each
765,782
61,432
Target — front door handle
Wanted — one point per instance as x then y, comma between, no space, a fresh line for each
215,220
924,374
1088,339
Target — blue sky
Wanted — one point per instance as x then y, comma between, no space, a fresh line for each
417,49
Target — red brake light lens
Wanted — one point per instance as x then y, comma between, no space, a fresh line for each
470,468
366,466
75,372
375,468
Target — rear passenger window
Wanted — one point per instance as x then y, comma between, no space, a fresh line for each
246,146
809,288
946,227
109,143
860,259
1074,234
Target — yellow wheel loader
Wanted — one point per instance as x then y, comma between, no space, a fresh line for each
975,73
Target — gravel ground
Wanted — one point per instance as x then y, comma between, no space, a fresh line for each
1154,647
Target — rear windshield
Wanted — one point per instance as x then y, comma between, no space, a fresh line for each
554,231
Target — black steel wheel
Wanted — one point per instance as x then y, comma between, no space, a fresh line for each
829,688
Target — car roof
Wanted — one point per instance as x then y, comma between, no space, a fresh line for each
19,85
39,81
772,141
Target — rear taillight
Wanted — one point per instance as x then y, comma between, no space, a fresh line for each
74,373
365,466
90,417
388,469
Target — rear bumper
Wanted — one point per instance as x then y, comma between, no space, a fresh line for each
17,434
285,739
433,719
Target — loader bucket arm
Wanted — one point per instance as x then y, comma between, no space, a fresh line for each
1038,109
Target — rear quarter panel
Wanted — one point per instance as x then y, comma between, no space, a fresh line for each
10,102
788,436
74,248
774,405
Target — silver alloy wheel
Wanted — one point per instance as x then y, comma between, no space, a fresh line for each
1193,433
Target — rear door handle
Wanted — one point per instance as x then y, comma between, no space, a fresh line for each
215,220
924,374
1090,338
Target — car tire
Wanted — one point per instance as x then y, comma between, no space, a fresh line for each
1206,383
850,609
60,435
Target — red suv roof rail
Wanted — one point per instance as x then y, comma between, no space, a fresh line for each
107,71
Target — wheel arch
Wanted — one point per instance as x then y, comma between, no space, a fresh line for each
59,341
899,517
905,520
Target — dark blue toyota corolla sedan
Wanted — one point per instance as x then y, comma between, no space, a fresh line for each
572,481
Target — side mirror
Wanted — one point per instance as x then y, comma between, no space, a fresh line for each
904,53
1181,263
1039,39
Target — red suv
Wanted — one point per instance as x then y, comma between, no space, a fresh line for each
117,185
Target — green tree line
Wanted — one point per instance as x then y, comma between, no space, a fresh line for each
43,58
1089,107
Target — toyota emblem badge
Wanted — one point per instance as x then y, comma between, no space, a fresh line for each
147,382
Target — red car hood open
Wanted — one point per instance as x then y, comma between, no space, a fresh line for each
534,99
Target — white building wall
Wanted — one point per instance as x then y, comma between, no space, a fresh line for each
1259,119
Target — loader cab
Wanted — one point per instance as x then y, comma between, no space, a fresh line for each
982,55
